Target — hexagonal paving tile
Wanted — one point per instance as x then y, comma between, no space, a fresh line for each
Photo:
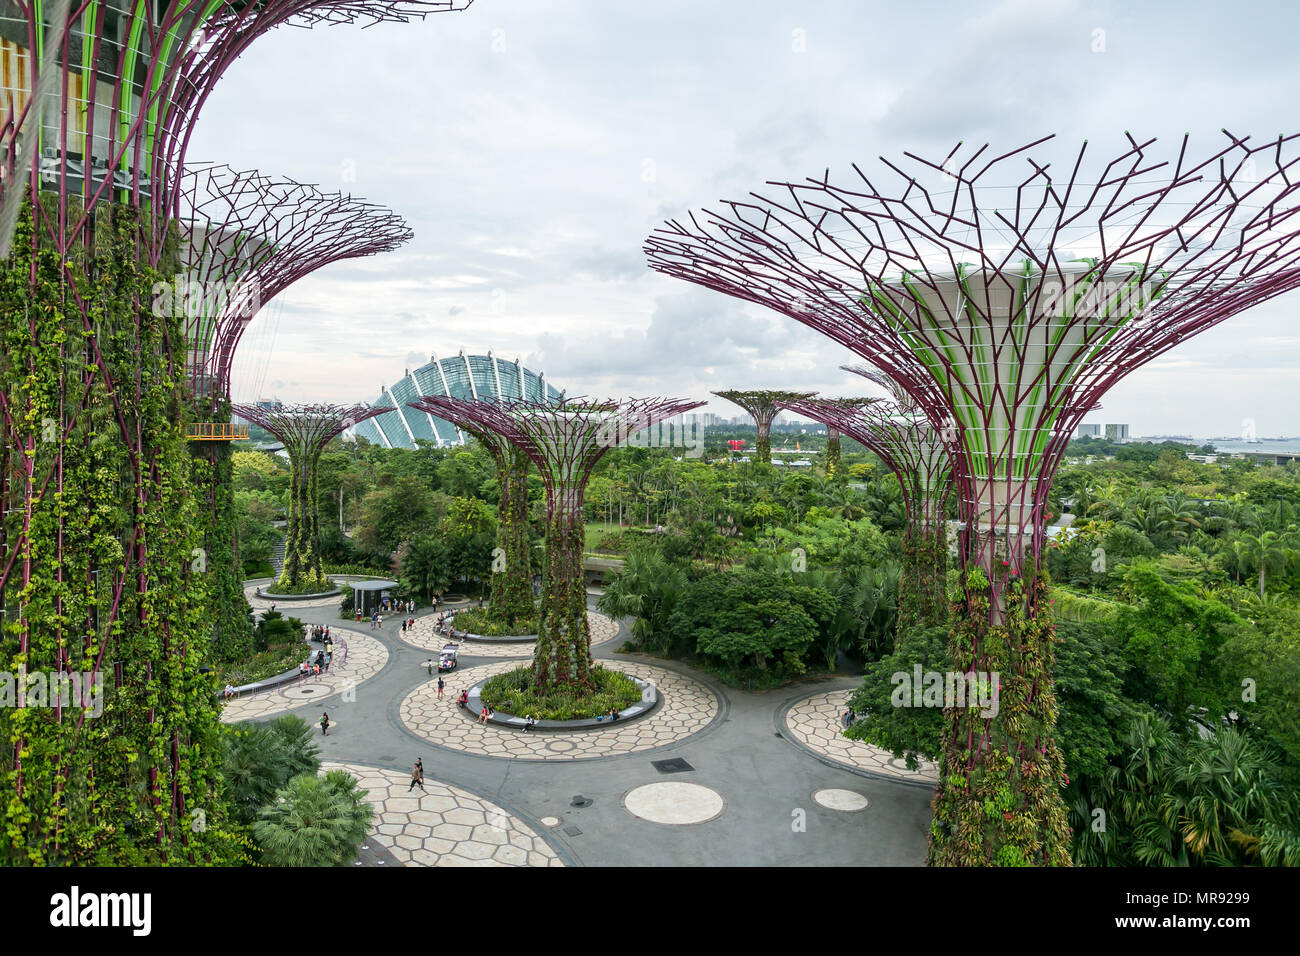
687,708
357,657
816,722
422,635
441,837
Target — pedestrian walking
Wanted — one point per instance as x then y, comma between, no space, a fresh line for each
417,776
440,686
325,724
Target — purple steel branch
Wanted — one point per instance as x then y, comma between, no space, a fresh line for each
869,265
146,133
564,439
254,236
307,427
902,439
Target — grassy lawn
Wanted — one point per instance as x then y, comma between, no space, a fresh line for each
594,531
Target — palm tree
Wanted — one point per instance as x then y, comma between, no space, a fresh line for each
314,821
844,502
1269,551
646,589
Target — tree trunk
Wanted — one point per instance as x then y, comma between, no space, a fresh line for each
562,657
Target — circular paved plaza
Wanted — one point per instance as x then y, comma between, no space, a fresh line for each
423,636
444,825
816,722
687,708
703,780
365,658
284,605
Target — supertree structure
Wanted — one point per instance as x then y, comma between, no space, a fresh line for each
1006,311
101,564
304,430
905,442
564,440
762,405
244,239
832,451
511,590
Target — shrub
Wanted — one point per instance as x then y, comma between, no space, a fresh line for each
479,621
512,693
260,759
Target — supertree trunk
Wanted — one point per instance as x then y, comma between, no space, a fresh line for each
302,560
922,586
104,524
562,658
511,586
832,452
232,632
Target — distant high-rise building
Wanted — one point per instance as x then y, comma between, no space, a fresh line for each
1089,431
1116,432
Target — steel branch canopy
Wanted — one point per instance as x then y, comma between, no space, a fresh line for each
1006,295
248,237
564,439
306,429
763,406
134,76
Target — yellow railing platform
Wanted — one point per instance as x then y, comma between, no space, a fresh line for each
216,431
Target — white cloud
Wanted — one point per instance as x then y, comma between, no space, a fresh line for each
531,176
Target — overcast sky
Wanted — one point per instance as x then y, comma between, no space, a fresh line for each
532,147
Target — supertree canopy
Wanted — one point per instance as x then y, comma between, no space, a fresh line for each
763,406
511,590
114,120
904,440
304,430
244,239
564,440
102,569
1006,299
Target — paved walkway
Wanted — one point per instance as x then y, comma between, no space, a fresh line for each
816,722
422,635
444,825
366,657
688,707
781,803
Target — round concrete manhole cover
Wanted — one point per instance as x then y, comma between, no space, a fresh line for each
848,801
305,690
674,804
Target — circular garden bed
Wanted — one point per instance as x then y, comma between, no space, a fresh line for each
268,595
481,628
513,701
